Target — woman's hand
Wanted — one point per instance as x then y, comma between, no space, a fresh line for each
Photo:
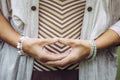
80,50
35,48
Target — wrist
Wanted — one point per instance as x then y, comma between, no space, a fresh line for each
87,48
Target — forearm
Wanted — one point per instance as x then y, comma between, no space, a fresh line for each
107,39
7,33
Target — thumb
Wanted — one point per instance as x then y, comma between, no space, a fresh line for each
48,41
69,42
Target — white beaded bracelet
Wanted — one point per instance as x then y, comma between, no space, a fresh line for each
19,45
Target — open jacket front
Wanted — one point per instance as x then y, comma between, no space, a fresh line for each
100,15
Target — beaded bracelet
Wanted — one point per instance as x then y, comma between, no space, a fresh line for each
19,45
93,51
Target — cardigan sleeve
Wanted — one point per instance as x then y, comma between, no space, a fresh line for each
116,27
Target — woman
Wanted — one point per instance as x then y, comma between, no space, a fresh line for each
98,20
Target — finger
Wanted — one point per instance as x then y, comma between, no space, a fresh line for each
49,56
60,63
54,57
69,42
48,41
73,57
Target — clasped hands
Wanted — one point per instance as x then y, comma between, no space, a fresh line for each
35,48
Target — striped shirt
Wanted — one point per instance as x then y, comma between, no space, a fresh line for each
59,18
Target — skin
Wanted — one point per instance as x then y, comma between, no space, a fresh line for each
35,47
81,48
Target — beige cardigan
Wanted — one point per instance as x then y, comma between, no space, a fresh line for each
100,15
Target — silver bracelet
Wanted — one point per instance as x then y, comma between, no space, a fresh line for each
19,45
93,51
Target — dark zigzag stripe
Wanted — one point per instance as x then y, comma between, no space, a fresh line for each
58,49
43,65
47,6
57,31
71,66
42,13
55,24
83,2
58,12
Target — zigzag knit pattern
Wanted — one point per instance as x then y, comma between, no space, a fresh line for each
59,18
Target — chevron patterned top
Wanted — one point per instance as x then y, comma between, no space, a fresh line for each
59,18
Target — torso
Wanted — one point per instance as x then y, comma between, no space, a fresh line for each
63,19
